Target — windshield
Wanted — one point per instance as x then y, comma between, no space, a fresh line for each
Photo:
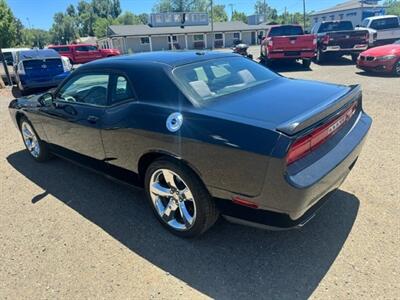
335,26
286,31
206,81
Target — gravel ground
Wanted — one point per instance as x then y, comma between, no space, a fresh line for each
66,232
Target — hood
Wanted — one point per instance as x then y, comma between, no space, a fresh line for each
383,50
278,101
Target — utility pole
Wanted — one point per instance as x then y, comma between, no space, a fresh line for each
304,14
212,25
285,15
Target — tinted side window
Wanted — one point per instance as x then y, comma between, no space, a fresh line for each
89,89
152,84
122,90
61,49
92,48
82,48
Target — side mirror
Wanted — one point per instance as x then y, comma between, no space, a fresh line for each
306,32
46,99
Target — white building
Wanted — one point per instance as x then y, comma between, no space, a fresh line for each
353,10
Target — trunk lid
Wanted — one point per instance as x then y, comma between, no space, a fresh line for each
287,105
293,43
43,69
347,39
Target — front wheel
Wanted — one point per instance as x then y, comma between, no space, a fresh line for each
179,199
36,147
396,68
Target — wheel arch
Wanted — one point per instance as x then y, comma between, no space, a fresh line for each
149,157
18,116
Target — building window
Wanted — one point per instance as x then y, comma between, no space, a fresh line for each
145,40
323,18
352,14
159,19
218,36
315,20
198,37
341,16
236,35
168,18
332,17
177,18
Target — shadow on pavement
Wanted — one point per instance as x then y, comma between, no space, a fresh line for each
375,74
229,261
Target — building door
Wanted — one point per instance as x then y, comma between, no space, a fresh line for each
253,38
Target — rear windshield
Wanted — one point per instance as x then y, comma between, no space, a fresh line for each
61,49
206,81
286,31
388,23
335,26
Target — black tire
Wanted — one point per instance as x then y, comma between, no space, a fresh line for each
306,63
43,154
206,211
354,57
396,68
320,57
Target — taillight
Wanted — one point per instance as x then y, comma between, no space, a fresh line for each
270,43
308,143
326,39
20,68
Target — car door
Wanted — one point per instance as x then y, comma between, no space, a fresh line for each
75,118
82,54
94,53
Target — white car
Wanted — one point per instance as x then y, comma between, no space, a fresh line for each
382,29
9,57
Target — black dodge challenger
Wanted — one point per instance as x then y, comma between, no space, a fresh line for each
205,133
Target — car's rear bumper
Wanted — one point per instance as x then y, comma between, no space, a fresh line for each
292,54
376,66
290,200
338,49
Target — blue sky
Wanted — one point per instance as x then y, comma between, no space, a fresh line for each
40,12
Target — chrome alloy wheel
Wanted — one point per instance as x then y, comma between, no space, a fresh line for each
30,139
172,199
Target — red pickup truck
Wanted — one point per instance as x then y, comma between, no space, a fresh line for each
83,53
288,42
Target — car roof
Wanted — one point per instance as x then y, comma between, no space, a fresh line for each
170,58
37,53
71,45
382,17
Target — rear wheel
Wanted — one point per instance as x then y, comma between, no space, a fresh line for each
320,57
306,63
35,146
178,198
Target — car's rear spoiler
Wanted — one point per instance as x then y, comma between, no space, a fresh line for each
322,111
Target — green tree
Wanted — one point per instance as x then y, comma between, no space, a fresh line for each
239,16
128,18
393,7
7,26
64,29
181,6
34,38
219,13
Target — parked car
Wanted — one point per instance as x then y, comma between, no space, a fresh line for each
220,134
9,57
39,69
383,30
385,59
83,53
288,42
338,38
